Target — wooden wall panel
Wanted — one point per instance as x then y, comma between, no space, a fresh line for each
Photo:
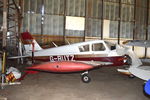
48,39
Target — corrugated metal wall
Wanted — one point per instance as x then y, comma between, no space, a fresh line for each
54,7
94,17
1,17
53,25
131,18
93,27
91,9
75,8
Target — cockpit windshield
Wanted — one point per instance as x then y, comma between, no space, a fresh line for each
111,46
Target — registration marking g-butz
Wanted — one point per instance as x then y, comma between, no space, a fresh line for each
62,58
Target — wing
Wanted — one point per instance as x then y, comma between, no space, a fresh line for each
17,57
142,72
141,43
96,63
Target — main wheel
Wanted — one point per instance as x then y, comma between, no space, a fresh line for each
86,78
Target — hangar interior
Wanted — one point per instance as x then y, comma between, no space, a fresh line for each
80,20
73,21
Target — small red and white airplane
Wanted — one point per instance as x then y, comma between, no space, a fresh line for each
82,56
96,51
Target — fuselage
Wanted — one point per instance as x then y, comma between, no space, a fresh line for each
97,50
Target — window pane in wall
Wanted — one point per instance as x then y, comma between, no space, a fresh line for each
53,25
128,1
111,10
93,27
113,29
54,6
126,30
75,7
127,12
94,8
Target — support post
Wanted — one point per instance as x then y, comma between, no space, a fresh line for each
102,20
85,28
134,22
4,40
147,18
42,20
119,21
64,32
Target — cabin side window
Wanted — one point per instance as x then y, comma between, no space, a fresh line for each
84,48
98,47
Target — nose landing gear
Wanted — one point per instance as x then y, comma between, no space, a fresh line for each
85,78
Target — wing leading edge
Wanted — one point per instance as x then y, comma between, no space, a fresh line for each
142,72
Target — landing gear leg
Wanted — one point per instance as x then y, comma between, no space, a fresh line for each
85,78
131,76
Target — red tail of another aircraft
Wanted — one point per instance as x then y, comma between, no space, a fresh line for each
28,40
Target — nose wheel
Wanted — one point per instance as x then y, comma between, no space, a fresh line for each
85,78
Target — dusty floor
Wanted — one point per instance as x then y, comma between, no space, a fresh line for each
106,84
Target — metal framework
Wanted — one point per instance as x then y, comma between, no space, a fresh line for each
11,26
12,21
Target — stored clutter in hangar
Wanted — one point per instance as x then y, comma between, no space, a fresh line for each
59,22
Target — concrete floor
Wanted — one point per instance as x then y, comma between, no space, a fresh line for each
106,84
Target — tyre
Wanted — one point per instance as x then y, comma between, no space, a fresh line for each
86,78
